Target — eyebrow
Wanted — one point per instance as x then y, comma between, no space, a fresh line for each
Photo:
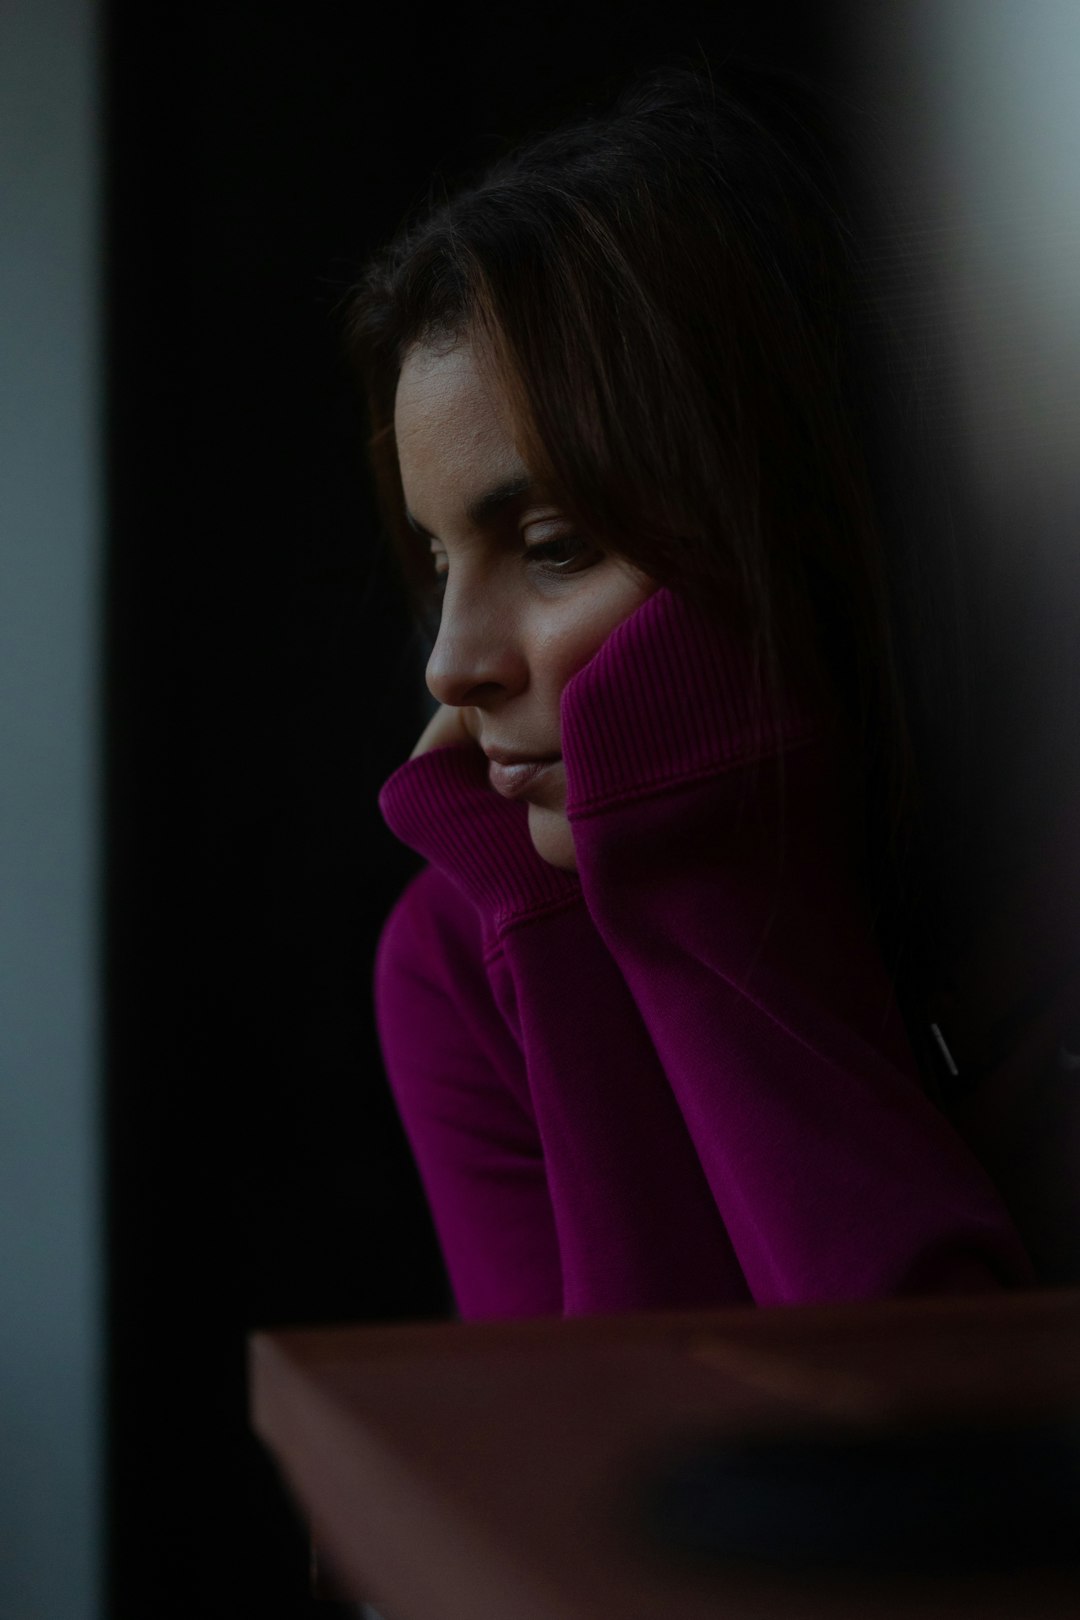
482,508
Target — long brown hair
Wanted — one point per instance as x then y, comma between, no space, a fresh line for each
671,292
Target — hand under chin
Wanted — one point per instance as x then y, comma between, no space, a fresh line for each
552,837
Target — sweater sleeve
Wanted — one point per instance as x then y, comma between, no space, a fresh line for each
459,1091
715,854
635,1224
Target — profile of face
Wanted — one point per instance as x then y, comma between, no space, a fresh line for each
526,601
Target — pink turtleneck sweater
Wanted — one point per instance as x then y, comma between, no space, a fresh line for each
630,1087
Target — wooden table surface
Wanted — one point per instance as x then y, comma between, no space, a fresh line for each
485,1471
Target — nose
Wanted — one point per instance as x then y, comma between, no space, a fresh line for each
476,657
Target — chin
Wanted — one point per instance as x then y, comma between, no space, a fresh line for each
552,837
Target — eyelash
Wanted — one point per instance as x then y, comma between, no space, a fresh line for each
543,547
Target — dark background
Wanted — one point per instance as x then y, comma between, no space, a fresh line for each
263,682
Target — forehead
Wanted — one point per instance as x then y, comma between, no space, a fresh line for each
446,407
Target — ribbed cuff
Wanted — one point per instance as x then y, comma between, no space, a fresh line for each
668,698
442,805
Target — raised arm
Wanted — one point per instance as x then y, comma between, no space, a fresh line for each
459,1085
836,1176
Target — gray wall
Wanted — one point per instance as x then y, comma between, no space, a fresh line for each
50,550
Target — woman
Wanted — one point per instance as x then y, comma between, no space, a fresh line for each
639,1009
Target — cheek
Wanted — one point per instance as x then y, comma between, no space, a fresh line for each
578,635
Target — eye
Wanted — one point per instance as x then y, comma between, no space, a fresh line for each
564,551
556,558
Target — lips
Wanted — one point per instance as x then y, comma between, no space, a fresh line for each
512,780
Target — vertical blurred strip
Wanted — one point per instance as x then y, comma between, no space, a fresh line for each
51,1259
978,115
1001,79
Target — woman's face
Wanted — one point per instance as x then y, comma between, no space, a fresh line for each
526,602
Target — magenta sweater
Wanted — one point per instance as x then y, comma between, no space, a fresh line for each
625,1089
